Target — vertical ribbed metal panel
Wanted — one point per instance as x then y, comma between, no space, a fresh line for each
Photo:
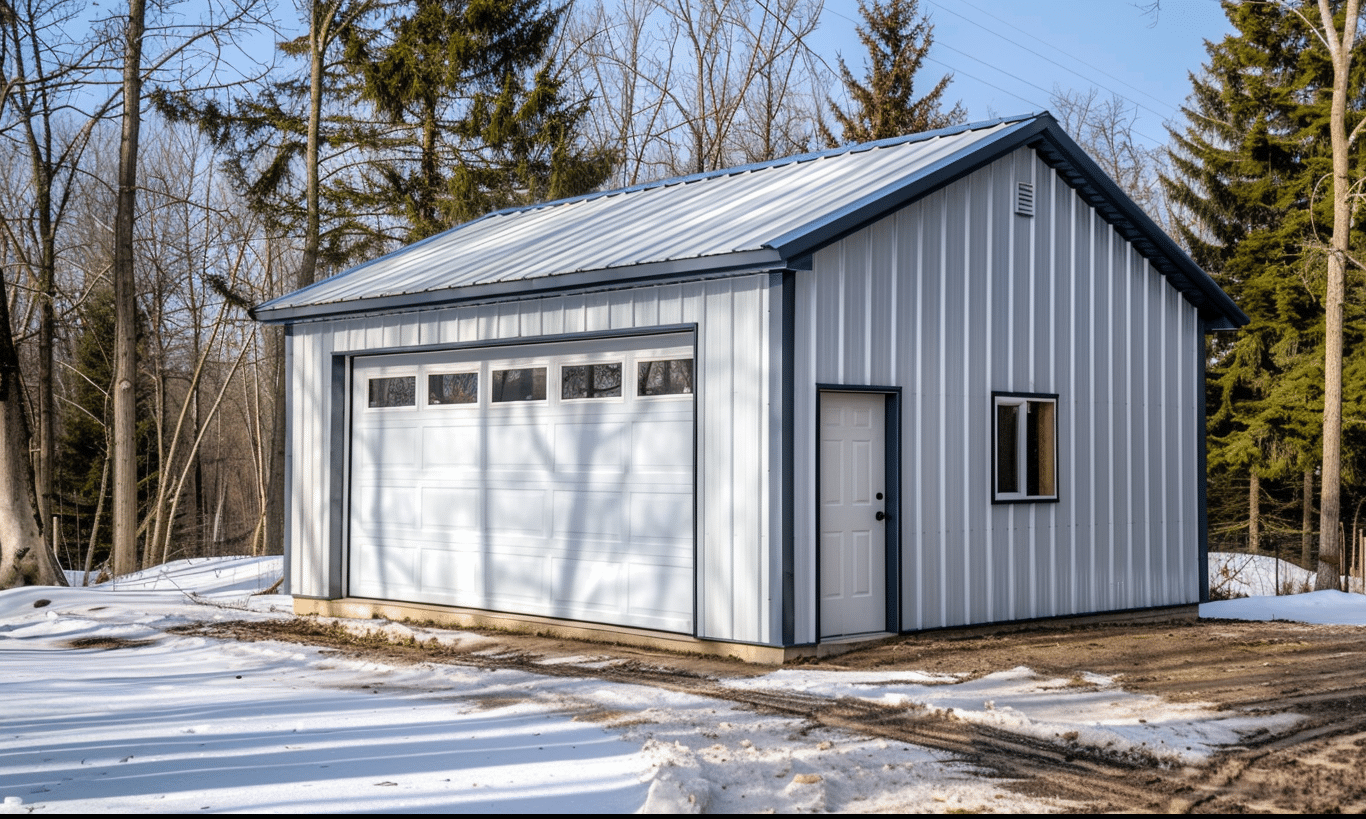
309,425
732,423
988,300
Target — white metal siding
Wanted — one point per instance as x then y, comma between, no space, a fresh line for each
956,296
732,423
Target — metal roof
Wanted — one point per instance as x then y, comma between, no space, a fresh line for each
770,215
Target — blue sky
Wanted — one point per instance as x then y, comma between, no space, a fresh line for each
1006,56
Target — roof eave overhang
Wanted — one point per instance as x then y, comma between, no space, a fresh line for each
1217,309
721,265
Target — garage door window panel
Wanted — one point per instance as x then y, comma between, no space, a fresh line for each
453,389
667,377
395,391
580,381
523,384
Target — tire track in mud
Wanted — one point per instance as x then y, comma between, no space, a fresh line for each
1089,779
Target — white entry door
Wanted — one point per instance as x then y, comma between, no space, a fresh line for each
853,555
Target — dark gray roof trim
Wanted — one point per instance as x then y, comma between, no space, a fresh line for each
593,281
1101,193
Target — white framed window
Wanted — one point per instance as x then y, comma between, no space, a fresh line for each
1024,447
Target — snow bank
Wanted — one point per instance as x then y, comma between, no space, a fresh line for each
198,575
1243,575
1320,607
205,576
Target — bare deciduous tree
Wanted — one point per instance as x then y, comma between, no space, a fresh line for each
221,22
685,86
1105,128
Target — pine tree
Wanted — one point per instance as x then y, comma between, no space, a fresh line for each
884,105
475,114
1248,170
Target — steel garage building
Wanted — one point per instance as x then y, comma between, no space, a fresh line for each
951,378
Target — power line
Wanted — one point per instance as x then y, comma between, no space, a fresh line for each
1034,105
1055,62
1016,77
1059,50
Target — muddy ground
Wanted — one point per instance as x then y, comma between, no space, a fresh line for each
1316,671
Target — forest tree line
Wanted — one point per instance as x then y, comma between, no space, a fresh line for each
161,177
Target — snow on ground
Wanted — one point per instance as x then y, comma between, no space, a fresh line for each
1254,581
105,711
1232,574
1320,607
1090,710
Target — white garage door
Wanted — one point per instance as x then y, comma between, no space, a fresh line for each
543,479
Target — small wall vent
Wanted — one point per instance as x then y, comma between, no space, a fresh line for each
1024,198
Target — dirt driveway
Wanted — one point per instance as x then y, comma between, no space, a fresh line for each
1316,671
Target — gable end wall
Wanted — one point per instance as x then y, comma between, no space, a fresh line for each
954,297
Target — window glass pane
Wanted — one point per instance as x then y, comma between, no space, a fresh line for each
1007,448
400,391
453,388
1039,449
590,381
527,384
673,377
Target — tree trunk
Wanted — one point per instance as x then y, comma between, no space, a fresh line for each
47,285
95,525
321,24
1340,48
24,556
318,37
1254,516
1307,521
125,503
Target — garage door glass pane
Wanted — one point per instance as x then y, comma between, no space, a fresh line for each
590,381
453,388
527,384
673,377
400,391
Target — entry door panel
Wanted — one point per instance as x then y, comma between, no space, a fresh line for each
853,552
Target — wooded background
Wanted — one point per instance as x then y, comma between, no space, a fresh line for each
160,177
